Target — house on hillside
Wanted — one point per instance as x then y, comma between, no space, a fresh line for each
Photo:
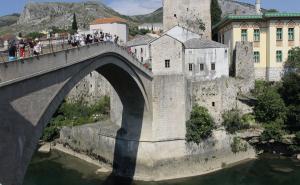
114,26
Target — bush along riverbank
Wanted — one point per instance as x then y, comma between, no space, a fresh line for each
75,114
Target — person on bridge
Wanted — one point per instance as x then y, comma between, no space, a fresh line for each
22,46
12,51
37,49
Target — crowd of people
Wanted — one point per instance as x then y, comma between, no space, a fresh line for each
82,39
23,48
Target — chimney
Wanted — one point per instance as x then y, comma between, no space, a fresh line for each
258,6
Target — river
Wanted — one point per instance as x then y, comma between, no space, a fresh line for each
60,169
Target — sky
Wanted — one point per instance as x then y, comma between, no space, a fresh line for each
135,7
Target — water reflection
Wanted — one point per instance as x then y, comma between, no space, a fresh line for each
61,169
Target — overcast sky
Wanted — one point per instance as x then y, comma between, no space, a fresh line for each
134,7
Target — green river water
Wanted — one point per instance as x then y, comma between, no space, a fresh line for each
61,169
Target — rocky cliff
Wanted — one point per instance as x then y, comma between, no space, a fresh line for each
40,16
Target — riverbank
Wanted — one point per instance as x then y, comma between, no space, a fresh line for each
153,160
103,167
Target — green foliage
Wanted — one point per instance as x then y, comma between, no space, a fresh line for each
200,125
34,35
293,62
270,106
273,130
216,12
260,87
74,23
290,91
297,138
272,11
74,114
233,121
133,31
58,30
238,145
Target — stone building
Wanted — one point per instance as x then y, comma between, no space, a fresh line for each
114,26
180,51
139,46
206,59
188,13
272,34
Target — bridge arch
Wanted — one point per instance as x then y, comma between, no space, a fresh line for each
42,94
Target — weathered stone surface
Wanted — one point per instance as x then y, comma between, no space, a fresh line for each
156,160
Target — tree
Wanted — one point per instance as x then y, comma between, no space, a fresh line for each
200,125
216,12
234,121
293,62
270,107
74,23
272,11
290,89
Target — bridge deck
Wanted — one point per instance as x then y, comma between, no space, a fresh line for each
21,69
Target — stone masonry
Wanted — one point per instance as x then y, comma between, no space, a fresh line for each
185,13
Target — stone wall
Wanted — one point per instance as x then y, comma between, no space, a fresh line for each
156,160
274,73
184,12
90,89
218,96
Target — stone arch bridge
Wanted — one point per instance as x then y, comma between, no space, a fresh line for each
32,89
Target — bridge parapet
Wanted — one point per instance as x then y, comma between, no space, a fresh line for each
11,72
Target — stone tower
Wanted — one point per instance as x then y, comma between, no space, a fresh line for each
186,13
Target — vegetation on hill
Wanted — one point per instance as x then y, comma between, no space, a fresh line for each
199,126
216,12
75,114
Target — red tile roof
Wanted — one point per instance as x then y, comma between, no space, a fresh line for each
108,20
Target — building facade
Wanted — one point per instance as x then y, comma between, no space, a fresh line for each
154,27
188,13
272,34
206,59
139,46
180,51
114,26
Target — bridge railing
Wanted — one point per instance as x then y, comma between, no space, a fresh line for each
62,44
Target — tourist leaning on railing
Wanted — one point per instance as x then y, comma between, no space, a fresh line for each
12,51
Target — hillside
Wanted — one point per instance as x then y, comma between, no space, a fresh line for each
41,16
9,19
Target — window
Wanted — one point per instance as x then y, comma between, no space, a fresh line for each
256,35
175,15
141,50
142,59
190,67
291,34
279,34
201,67
213,104
256,57
279,56
244,35
213,66
135,51
167,63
